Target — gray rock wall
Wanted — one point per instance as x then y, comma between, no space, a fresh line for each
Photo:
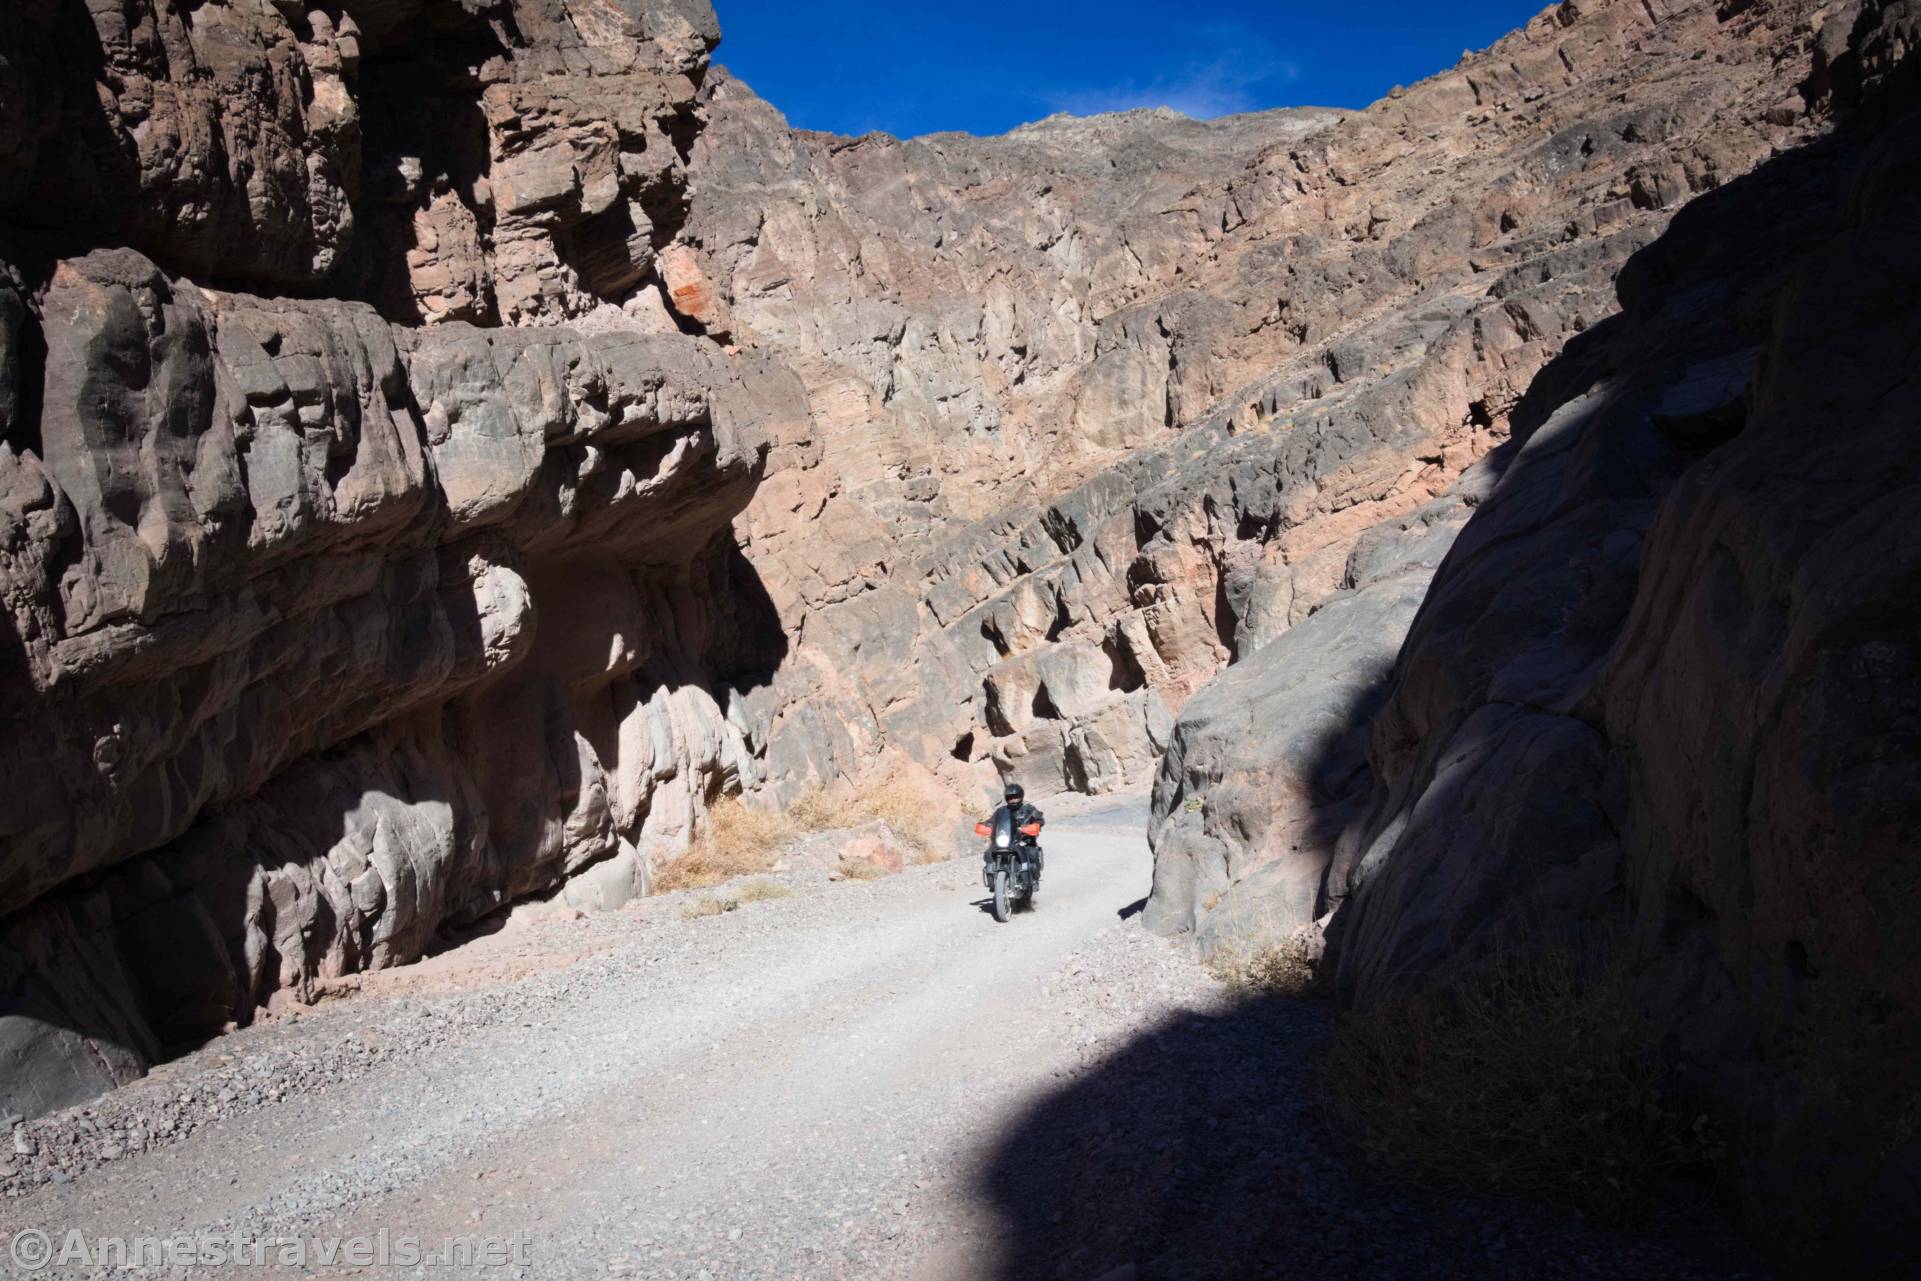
344,633
1268,762
325,628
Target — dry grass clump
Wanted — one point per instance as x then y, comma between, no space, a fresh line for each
762,891
893,800
708,906
740,840
898,806
1286,969
859,869
1530,1074
815,810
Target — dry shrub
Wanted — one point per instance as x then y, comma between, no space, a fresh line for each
859,869
913,814
709,906
1531,1073
738,841
1286,969
815,810
892,799
762,891
894,803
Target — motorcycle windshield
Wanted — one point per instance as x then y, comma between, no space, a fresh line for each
1003,829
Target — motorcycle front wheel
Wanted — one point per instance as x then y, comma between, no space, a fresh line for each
1000,895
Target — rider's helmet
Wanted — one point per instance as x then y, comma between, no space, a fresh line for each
1014,795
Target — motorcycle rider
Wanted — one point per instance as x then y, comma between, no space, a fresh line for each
1015,801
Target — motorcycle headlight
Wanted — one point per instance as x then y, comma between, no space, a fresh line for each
1000,841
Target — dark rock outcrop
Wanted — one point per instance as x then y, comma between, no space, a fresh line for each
1666,677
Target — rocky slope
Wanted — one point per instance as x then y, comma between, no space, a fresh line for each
1102,405
1663,680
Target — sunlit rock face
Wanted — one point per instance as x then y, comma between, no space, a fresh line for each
1101,406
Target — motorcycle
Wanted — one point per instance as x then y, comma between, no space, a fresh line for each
1012,867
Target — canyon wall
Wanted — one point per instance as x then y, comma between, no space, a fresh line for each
450,443
1102,406
348,596
1662,684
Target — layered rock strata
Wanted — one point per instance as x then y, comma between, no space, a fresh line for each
1103,405
489,160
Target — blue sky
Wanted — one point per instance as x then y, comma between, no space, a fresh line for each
917,66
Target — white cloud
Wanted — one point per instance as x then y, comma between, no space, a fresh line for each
1200,98
1221,86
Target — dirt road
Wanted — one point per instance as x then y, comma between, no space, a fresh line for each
860,1080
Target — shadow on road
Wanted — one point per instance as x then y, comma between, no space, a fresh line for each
1199,1152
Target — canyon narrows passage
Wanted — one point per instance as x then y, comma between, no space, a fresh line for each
450,446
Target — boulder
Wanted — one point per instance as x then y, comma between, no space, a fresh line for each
1267,764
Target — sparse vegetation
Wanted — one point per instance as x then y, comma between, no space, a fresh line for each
762,891
1532,1074
907,813
859,869
740,839
708,906
816,811
1286,969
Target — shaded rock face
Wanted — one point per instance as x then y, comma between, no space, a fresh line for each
324,630
1267,764
1101,406
421,622
1664,679
448,159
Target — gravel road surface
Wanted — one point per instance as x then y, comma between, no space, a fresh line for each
859,1080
